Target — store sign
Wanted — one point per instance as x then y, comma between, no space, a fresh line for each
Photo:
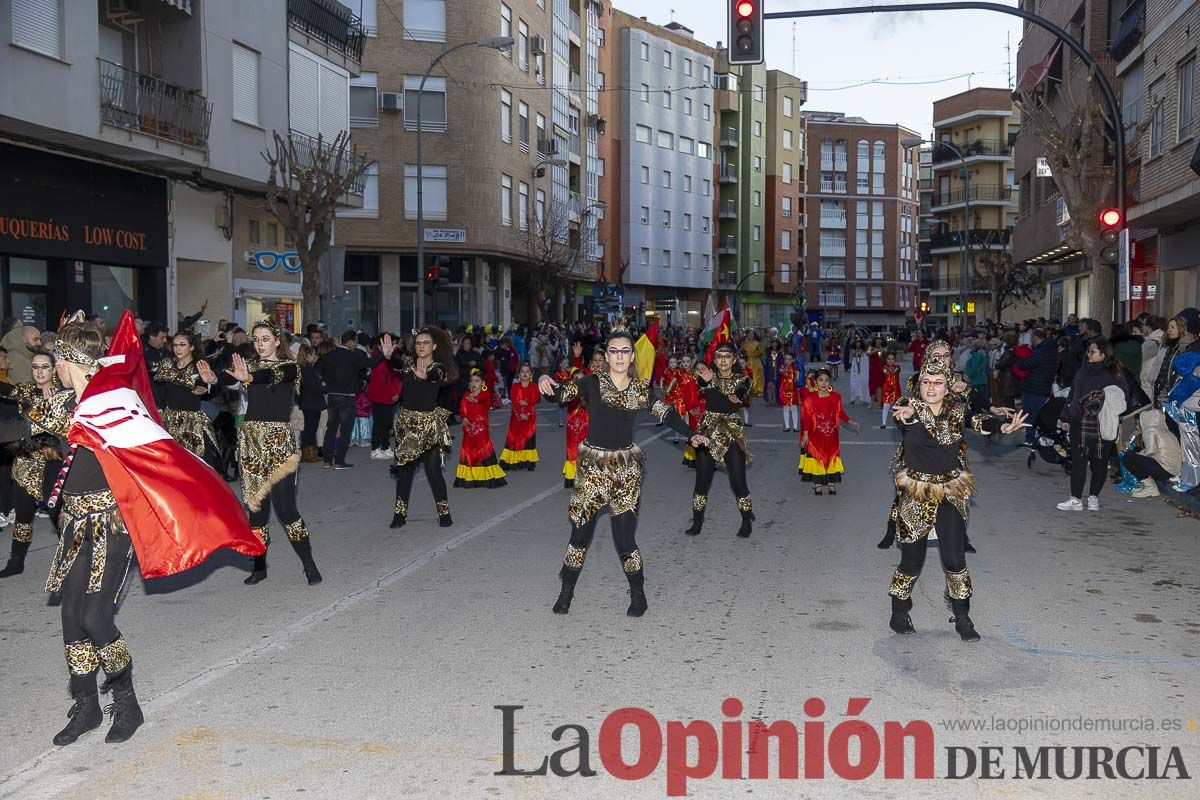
270,260
446,235
285,315
1043,168
1137,291
53,206
1151,291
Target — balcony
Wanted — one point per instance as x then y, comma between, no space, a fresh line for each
306,156
833,219
573,88
980,193
575,208
727,209
991,238
143,103
835,299
729,137
833,247
833,273
329,22
976,148
954,282
1129,31
728,173
726,245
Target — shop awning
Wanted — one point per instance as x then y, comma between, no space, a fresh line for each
1037,73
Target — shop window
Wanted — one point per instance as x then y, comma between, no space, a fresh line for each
255,235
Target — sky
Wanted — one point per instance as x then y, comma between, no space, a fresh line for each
931,55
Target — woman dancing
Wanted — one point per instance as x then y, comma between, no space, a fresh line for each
178,389
610,464
724,392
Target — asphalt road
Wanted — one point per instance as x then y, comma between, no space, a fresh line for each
383,681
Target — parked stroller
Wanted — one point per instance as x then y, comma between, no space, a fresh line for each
1051,442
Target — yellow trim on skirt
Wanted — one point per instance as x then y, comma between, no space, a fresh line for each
488,473
513,457
810,466
569,470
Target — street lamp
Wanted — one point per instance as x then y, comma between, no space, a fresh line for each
964,268
492,43
737,287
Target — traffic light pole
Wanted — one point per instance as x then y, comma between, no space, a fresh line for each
1106,89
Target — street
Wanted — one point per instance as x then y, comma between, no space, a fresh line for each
383,680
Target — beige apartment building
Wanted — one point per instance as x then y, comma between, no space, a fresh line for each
786,191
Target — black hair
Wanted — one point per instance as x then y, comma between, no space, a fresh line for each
151,329
349,336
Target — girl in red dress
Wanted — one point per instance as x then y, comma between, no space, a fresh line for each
875,356
520,446
477,459
744,368
890,392
789,399
577,418
693,401
819,425
671,385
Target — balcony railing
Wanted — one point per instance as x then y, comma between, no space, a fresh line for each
729,137
953,282
306,157
1129,31
146,104
727,209
833,219
331,23
575,26
979,237
726,245
575,207
832,298
573,82
979,192
833,247
829,273
975,147
729,173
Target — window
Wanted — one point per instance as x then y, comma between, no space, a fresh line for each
687,260
785,240
666,179
707,187
433,191
506,200
370,206
757,199
645,215
432,103
506,116
687,106
599,31
687,222
787,106
425,20
860,270
860,295
666,140
245,83
523,205
318,95
706,74
787,140
704,223
666,219
707,261
877,267
704,150
667,59
646,175
539,207
645,93
785,273
646,256
687,66
364,101
255,231
505,26
785,204
523,46
645,51
1186,126
38,25
1158,120
787,172
757,129
666,99
876,296
523,126
876,183
687,183
687,145
862,183
666,262
760,94
707,112
757,233
273,234
758,163
1133,111
642,134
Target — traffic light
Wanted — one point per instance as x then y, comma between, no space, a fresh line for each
442,276
745,32
924,307
1111,222
956,308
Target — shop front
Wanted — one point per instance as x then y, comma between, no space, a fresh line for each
75,234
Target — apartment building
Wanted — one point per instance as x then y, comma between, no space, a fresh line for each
974,198
786,190
511,160
862,241
1039,235
925,231
1156,67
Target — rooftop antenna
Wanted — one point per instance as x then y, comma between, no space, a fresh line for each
1008,61
793,47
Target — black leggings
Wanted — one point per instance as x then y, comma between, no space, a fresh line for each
283,500
432,461
624,530
92,617
951,538
1142,467
735,465
381,424
312,421
1085,457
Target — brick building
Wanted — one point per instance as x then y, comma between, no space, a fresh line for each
785,191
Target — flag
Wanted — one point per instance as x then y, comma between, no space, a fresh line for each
644,350
177,509
719,329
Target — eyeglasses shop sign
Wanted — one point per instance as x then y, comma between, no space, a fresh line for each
446,235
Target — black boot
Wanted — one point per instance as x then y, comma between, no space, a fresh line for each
398,521
16,561
400,517
569,578
697,523
962,621
85,715
258,573
303,548
637,593
443,512
901,622
125,711
747,519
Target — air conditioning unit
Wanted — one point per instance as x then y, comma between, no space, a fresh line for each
537,45
391,101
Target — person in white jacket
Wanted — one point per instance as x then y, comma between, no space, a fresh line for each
1152,337
1159,459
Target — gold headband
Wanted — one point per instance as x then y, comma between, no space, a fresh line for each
268,323
936,366
66,352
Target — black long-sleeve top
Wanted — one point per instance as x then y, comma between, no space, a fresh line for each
933,443
612,412
271,390
717,390
421,394
174,386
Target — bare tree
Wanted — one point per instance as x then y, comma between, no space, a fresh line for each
1006,283
307,180
1076,135
553,258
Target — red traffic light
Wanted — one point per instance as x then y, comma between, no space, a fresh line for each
745,8
1110,217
